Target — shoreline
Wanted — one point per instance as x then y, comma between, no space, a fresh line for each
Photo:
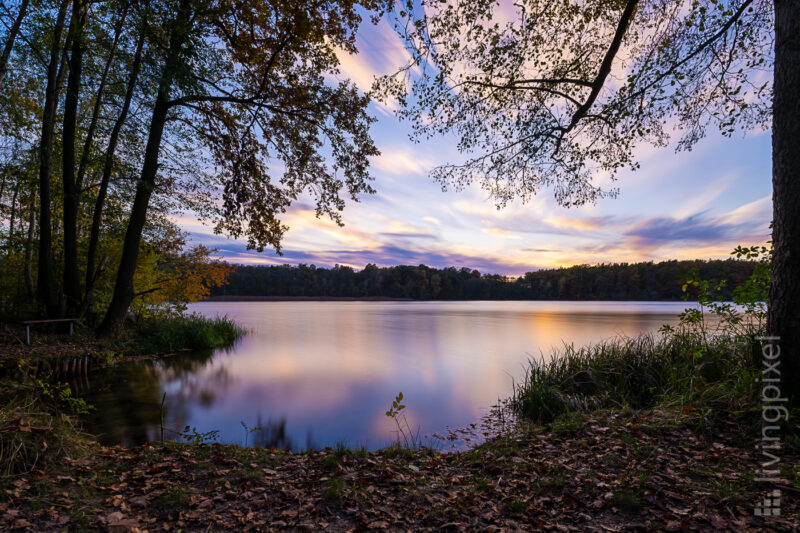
242,298
306,299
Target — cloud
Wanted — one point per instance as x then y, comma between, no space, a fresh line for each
390,255
401,235
696,228
758,210
500,233
356,69
384,255
581,224
401,162
380,52
699,201
746,223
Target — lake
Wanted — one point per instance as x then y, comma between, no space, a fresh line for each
312,374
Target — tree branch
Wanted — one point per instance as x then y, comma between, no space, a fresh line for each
608,60
705,44
148,291
510,85
573,81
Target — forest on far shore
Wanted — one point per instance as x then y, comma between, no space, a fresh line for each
619,281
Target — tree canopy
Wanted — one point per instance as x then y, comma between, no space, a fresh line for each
117,115
558,95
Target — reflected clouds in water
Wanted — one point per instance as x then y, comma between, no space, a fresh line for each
312,374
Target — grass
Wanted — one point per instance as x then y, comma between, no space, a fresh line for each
517,505
330,462
568,424
36,427
191,332
334,490
482,484
554,478
627,499
726,490
397,449
639,372
168,501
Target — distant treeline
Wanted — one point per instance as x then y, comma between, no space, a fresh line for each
624,281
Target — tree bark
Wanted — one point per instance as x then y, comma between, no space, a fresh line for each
71,191
44,289
123,287
29,249
108,166
784,294
12,221
98,103
12,36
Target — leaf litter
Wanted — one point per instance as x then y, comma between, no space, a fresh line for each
605,471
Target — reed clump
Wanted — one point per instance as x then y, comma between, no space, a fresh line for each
640,372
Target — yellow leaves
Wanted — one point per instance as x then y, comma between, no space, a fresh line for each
170,280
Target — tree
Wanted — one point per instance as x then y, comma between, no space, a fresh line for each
92,271
783,319
44,285
560,94
117,114
70,185
248,78
8,46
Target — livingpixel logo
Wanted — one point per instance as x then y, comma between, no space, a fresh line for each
773,414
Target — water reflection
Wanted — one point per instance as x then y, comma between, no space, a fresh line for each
316,373
272,434
128,399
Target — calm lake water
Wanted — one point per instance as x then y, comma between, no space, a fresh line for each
312,374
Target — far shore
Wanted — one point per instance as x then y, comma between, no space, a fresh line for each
240,298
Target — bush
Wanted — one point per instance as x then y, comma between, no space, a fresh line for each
192,332
638,372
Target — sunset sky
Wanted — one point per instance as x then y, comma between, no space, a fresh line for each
699,204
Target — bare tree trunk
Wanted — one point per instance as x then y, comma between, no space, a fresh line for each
784,294
71,191
123,287
90,131
29,248
71,183
108,166
45,294
12,220
12,36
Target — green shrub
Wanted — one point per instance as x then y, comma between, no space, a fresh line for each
639,372
192,332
